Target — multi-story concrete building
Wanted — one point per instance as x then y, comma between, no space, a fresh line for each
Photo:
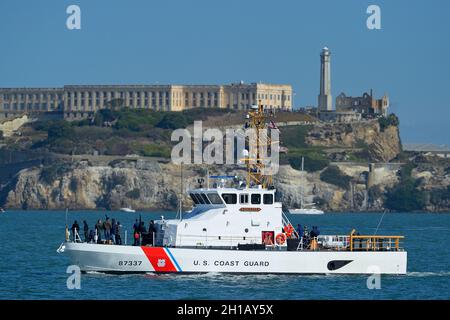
79,101
366,104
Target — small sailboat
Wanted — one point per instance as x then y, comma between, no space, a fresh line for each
129,210
305,208
2,210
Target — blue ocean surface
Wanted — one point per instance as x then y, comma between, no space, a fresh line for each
30,267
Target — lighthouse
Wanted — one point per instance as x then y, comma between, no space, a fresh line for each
325,81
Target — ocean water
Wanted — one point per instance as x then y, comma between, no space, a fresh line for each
30,267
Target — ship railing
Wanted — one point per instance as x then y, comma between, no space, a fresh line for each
334,242
205,240
376,243
286,222
76,236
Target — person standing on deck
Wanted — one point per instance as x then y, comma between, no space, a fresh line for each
117,233
113,231
86,231
98,230
107,228
136,233
75,230
151,231
299,230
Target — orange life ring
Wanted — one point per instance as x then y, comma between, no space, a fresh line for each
289,230
280,238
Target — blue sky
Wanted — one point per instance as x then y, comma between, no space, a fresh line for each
206,41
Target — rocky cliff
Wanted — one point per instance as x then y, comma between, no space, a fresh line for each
149,184
382,145
139,184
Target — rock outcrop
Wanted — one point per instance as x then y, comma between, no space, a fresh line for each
149,184
137,184
382,145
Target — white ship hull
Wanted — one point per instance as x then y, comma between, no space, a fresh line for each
133,259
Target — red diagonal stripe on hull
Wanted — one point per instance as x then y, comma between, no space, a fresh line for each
159,259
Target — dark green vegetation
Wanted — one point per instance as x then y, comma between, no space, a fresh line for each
405,196
293,137
333,175
117,132
51,172
390,120
133,194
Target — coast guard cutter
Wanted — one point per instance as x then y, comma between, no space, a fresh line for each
241,230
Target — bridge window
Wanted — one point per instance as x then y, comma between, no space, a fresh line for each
268,198
256,198
199,198
229,198
194,198
205,198
243,198
214,198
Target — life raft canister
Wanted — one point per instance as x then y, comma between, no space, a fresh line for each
280,238
289,230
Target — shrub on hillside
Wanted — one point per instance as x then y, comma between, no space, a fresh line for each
333,175
310,164
52,172
405,196
60,129
133,194
391,120
173,121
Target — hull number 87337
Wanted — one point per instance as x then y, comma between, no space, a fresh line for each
132,263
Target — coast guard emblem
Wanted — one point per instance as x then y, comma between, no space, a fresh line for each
161,263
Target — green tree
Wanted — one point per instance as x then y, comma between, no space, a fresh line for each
60,129
173,121
333,175
391,120
310,164
405,196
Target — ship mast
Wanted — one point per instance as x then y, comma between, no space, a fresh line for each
256,161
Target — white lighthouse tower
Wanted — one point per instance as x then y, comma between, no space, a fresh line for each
325,102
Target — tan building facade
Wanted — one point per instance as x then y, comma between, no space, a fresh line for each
79,101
